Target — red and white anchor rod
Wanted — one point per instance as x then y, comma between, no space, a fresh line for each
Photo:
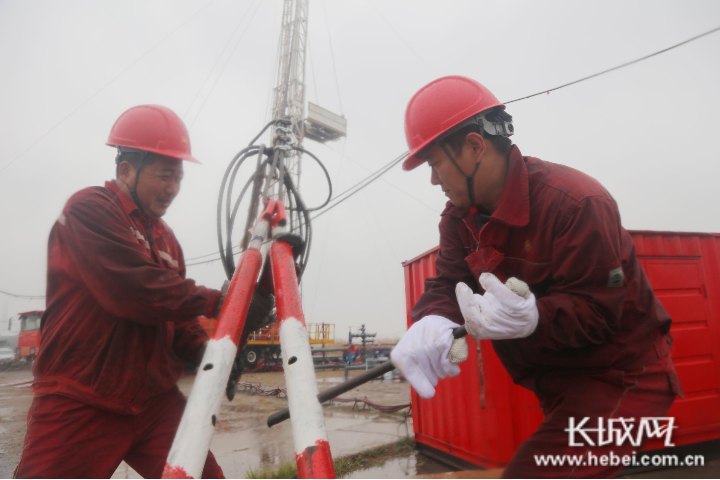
192,440
312,451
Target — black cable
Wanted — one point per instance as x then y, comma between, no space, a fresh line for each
207,97
304,255
506,103
208,261
219,208
259,167
327,176
332,55
203,256
433,209
381,173
271,122
263,175
308,235
384,169
229,219
197,93
617,67
430,70
28,297
106,85
394,162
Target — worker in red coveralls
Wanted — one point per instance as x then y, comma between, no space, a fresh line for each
591,339
121,318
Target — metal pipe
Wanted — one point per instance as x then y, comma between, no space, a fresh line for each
354,382
327,350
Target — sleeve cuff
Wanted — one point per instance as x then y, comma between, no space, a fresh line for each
191,352
436,318
213,299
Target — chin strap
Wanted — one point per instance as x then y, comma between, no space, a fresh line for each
468,178
133,190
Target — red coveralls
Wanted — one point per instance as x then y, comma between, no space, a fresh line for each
601,347
120,324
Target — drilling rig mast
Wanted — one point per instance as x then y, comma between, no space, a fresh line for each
320,124
289,98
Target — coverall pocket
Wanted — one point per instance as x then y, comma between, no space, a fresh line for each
532,272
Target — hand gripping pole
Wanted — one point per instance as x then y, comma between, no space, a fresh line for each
192,440
312,451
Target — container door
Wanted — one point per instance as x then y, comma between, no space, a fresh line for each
681,287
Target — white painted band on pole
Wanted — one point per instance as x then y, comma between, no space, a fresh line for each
258,234
192,440
306,414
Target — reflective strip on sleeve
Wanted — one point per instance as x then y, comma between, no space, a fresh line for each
140,236
166,256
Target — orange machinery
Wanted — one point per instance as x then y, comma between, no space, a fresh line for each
29,337
265,342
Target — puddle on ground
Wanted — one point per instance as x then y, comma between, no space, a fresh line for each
331,380
407,466
242,441
5,412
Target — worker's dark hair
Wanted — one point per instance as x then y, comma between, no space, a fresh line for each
133,158
502,144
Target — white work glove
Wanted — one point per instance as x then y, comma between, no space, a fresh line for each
504,312
421,355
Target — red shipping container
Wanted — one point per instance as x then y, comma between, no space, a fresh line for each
480,417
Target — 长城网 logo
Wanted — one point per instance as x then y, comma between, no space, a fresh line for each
619,431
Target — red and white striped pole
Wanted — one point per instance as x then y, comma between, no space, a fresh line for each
312,451
192,439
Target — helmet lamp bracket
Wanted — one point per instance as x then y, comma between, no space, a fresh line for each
506,129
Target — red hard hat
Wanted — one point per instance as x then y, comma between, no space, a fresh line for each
439,106
152,128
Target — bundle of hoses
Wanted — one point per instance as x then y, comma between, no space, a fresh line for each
267,169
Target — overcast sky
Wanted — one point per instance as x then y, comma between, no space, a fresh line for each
648,132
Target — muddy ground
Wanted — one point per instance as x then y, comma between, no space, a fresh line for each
242,439
14,404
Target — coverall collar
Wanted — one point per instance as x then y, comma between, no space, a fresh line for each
130,207
514,205
127,203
